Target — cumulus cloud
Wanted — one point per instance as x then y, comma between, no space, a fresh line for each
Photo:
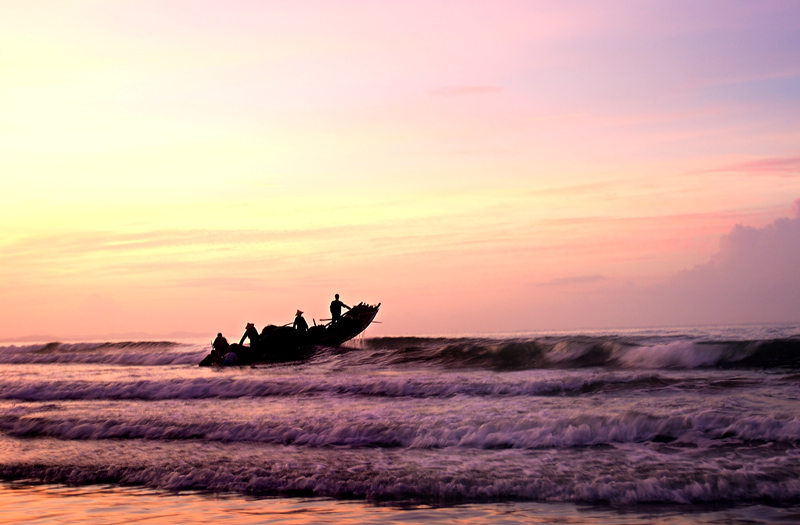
753,278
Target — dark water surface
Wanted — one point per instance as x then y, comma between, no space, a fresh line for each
607,425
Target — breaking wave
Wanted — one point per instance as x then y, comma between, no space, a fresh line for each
133,353
390,387
620,418
585,352
418,431
616,352
446,480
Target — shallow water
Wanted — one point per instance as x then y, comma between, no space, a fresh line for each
612,424
96,505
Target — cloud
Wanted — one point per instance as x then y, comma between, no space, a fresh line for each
753,278
785,166
82,243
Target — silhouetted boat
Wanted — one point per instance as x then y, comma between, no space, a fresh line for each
284,343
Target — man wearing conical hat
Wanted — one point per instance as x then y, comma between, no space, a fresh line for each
300,324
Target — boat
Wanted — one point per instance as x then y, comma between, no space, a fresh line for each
284,343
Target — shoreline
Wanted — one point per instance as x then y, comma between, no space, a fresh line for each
102,504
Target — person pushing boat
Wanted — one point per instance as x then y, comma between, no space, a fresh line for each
251,333
219,346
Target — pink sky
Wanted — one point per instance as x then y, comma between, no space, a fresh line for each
176,166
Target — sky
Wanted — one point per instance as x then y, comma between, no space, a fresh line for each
186,167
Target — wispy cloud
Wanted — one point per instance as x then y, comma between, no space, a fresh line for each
83,243
784,166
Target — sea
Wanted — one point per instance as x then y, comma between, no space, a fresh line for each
678,425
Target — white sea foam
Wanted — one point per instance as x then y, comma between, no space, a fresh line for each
594,477
419,431
397,386
678,354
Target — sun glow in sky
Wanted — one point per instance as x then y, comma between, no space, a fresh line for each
183,166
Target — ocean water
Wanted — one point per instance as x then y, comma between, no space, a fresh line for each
605,426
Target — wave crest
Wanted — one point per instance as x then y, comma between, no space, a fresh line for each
583,352
134,353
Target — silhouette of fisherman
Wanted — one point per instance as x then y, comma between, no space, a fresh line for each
251,333
300,324
336,309
220,345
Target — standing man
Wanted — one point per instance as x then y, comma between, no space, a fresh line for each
336,309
